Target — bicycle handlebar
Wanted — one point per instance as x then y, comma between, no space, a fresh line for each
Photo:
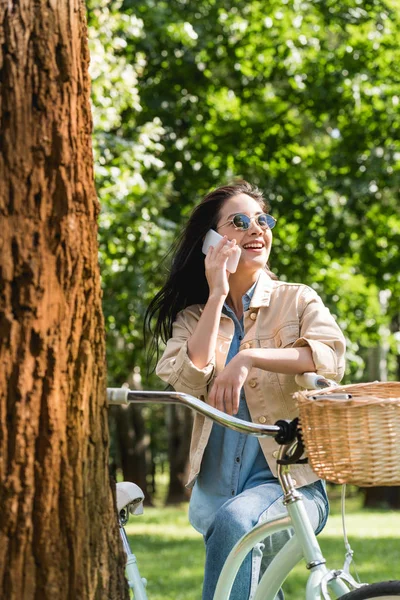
126,396
121,396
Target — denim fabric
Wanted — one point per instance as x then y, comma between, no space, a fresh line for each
235,490
278,306
232,461
237,516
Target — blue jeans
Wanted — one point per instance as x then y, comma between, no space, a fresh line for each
237,516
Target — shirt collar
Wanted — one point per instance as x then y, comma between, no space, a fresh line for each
246,299
261,295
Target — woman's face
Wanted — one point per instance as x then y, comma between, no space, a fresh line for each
255,242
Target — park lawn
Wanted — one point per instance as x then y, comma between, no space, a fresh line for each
170,553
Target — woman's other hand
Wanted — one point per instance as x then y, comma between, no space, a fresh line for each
215,265
225,392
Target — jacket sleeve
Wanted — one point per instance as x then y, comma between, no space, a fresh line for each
175,366
319,331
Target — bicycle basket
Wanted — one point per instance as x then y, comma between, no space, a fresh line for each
354,440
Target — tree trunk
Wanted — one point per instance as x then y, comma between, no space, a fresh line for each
133,443
382,497
58,531
395,329
180,422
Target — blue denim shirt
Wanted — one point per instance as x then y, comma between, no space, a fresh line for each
232,461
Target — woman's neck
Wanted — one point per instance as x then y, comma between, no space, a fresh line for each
238,286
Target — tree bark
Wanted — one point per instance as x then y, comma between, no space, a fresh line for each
58,530
133,443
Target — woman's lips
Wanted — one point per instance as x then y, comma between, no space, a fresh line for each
256,249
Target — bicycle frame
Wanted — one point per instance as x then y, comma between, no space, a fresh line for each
302,544
132,570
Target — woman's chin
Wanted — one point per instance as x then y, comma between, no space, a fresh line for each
251,265
248,260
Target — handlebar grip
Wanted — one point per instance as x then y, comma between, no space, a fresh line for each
313,381
117,395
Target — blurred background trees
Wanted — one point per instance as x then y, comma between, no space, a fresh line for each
299,97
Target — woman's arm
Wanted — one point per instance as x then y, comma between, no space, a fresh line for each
320,347
225,393
188,360
290,361
201,344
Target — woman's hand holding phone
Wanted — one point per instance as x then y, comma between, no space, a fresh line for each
216,266
212,238
202,342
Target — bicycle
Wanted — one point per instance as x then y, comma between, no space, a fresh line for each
303,543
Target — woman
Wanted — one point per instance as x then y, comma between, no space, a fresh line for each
237,341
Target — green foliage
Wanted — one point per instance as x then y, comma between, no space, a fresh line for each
133,186
299,97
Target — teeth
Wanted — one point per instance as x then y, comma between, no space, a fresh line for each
253,246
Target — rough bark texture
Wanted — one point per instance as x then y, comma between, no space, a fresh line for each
58,534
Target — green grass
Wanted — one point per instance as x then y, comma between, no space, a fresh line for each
170,553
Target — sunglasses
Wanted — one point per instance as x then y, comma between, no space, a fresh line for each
242,222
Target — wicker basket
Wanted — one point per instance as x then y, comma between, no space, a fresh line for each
356,440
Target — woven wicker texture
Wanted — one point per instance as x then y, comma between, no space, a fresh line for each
357,440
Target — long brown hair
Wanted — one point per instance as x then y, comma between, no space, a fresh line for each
186,283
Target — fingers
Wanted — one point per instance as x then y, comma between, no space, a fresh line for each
228,401
225,392
223,249
235,400
224,398
219,398
216,396
215,266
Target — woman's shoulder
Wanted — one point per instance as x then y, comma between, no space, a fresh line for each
300,293
191,312
278,285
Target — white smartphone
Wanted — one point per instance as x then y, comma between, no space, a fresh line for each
212,238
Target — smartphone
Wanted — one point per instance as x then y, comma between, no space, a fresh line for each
212,238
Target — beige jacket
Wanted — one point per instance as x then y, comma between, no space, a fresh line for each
281,315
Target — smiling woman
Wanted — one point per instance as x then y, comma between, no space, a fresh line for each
237,340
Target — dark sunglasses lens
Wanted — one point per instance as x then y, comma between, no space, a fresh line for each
241,221
266,221
271,221
262,221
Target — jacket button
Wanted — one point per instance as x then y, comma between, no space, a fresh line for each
275,453
262,419
246,346
253,383
253,316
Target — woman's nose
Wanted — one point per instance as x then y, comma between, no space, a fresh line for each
255,227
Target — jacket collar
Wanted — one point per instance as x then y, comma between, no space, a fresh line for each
262,292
